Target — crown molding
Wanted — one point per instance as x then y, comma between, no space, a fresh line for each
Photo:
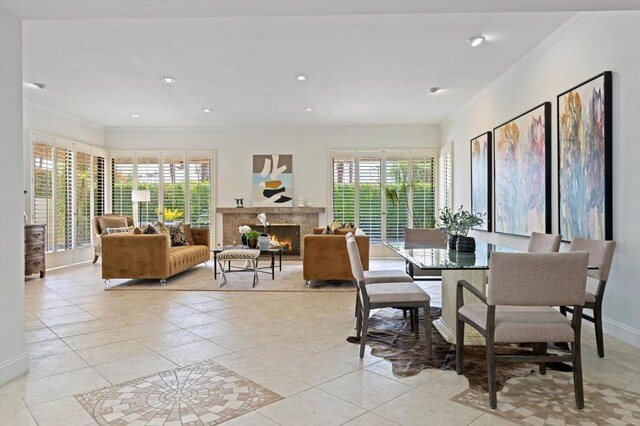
54,111
560,33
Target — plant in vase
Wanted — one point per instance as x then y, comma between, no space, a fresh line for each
449,222
466,221
252,239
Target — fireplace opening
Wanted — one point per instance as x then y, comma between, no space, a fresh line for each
285,235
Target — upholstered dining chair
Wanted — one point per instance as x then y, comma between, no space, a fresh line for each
386,295
424,237
600,256
544,243
522,289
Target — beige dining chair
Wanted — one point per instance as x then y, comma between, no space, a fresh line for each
544,243
386,295
518,308
600,257
424,237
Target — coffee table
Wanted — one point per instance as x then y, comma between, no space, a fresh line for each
271,268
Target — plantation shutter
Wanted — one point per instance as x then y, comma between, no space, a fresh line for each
64,199
445,180
200,191
344,189
148,170
424,195
174,195
369,197
83,199
397,174
98,185
43,189
121,185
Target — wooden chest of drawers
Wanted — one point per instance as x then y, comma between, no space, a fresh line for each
34,250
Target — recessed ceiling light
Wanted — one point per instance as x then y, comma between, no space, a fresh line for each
476,40
309,109
302,77
207,110
135,115
168,80
434,90
36,85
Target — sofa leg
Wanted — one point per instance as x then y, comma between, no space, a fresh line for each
107,283
163,282
95,258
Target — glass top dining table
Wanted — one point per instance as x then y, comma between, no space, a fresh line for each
427,256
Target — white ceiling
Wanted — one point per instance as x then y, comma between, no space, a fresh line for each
363,69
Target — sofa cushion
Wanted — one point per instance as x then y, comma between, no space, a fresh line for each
178,236
186,228
124,229
105,222
182,258
149,230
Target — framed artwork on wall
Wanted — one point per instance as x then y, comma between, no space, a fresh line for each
273,180
522,173
481,178
584,160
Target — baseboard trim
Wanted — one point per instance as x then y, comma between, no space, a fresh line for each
13,367
621,331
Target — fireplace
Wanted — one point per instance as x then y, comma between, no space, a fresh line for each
285,235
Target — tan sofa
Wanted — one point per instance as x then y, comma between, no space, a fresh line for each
151,256
325,256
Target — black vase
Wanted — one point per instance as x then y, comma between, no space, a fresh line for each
252,243
466,244
453,240
244,240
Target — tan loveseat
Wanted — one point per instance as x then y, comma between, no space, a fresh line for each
151,256
326,258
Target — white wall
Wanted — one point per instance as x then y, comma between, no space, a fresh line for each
604,41
309,146
47,120
13,358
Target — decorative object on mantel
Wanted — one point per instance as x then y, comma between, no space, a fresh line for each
307,202
481,178
458,225
584,160
239,203
300,201
273,180
244,230
522,173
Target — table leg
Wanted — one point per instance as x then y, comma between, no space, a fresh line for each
215,265
410,269
273,266
280,261
446,324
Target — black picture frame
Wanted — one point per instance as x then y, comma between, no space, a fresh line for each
482,177
597,162
507,207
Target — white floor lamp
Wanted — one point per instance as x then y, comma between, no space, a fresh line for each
140,196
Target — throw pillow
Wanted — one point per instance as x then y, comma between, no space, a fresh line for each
136,231
121,230
360,232
163,230
327,230
178,237
149,229
334,225
105,222
186,228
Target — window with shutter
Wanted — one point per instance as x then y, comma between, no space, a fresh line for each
200,191
121,185
344,189
43,189
83,199
369,197
173,175
98,185
423,190
396,187
148,171
64,199
445,180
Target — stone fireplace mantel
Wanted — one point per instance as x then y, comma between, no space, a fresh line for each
233,217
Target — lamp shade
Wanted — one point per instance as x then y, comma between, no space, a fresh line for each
141,195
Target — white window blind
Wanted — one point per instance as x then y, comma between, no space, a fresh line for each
148,179
445,180
344,189
369,198
121,185
423,191
396,188
83,189
200,191
173,175
64,199
98,185
43,189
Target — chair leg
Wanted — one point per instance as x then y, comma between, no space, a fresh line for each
541,349
412,322
597,316
416,322
359,323
459,345
563,310
95,258
577,374
365,329
491,374
404,313
427,328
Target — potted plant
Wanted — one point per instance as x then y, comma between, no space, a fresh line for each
449,222
466,221
252,239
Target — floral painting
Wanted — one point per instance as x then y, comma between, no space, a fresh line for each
522,166
584,156
481,178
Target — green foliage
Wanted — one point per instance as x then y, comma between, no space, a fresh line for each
460,222
253,234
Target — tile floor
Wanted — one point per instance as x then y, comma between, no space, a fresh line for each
82,338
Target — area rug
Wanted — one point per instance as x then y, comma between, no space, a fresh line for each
200,278
391,338
204,393
549,400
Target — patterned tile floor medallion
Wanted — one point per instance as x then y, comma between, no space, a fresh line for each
549,400
201,394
